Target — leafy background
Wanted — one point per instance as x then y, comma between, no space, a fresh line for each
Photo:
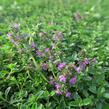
25,87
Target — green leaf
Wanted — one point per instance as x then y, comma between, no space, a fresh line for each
76,103
87,101
106,95
99,106
80,102
105,106
40,94
92,89
52,93
100,91
7,91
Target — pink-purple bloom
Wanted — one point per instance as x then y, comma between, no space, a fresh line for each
68,94
57,86
9,35
47,50
44,66
73,80
11,38
58,36
52,83
78,69
82,65
61,66
62,78
58,92
87,61
18,37
33,45
39,53
16,26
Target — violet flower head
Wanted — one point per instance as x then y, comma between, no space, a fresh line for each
39,53
11,39
73,80
9,35
18,38
58,36
68,94
78,69
33,45
47,50
52,83
62,78
58,92
82,65
57,86
61,66
16,26
87,61
14,42
44,66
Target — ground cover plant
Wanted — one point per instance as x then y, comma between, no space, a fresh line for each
54,54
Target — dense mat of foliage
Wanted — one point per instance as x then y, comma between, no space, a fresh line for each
54,54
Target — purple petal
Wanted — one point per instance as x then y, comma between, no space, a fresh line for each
44,66
73,80
57,86
78,69
47,50
62,78
68,94
61,66
58,92
87,61
39,54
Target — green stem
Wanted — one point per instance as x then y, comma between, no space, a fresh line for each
37,68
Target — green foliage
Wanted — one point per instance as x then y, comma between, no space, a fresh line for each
83,32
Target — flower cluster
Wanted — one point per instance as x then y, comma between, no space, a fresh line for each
63,75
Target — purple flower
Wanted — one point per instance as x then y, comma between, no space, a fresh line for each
52,83
47,50
58,92
62,78
18,38
11,39
87,61
78,69
57,86
14,42
9,35
39,53
61,66
44,66
82,65
73,80
58,36
68,94
94,60
16,26
33,45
